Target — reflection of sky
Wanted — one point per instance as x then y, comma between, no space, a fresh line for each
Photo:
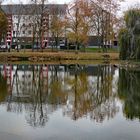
14,127
115,81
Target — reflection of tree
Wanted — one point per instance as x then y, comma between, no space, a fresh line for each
15,84
37,110
129,92
78,92
79,86
3,88
96,99
104,104
57,94
29,94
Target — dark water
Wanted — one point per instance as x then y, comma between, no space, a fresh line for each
69,102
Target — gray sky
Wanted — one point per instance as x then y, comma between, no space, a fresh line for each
124,6
128,2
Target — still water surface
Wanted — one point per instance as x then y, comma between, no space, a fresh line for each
69,102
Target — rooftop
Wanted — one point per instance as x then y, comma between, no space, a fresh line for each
29,9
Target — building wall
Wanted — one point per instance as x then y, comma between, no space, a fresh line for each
23,22
9,30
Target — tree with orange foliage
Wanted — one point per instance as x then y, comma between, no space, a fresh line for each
57,29
79,22
3,25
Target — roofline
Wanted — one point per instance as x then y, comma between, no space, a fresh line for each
32,4
1,10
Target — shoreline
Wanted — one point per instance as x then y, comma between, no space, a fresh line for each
64,62
56,56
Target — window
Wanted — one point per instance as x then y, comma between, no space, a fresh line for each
18,33
29,17
23,32
30,24
23,25
29,32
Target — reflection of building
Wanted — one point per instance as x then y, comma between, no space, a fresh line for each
26,74
6,71
37,88
21,79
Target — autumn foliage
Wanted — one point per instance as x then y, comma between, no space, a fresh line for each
3,24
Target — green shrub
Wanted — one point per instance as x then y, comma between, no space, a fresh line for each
123,43
129,37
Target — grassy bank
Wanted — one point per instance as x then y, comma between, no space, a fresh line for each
109,50
130,65
45,56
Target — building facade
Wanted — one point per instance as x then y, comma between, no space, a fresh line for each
28,24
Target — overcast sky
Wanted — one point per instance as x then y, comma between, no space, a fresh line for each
127,1
124,6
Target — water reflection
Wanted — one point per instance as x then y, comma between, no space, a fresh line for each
3,88
93,94
129,92
79,90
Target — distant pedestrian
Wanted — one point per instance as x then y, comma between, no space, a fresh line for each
8,47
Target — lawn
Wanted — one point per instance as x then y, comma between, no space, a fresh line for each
60,55
100,50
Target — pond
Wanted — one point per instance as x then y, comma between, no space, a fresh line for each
69,102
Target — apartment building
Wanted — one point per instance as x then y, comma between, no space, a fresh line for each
24,22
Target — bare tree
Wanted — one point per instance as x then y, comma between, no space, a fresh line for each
17,12
3,25
104,19
40,26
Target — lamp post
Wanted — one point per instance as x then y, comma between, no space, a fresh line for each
23,45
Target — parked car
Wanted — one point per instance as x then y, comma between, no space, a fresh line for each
3,47
72,46
62,45
36,47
